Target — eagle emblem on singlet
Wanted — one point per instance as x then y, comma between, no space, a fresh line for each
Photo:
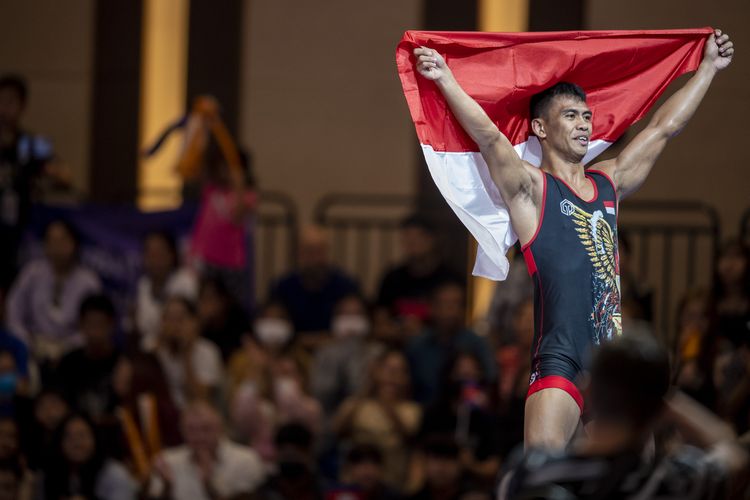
600,243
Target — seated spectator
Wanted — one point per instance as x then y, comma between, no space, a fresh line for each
291,397
462,412
429,352
144,411
13,385
85,374
80,468
384,416
162,278
508,396
311,291
16,481
44,302
40,427
364,475
628,393
508,294
340,368
406,289
634,291
697,347
25,158
208,465
296,477
222,320
191,364
443,474
732,292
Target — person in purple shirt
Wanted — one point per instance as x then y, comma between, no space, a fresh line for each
43,303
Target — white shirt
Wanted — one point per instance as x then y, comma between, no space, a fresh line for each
205,360
148,307
238,469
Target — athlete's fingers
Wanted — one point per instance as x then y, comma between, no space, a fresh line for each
726,46
717,32
722,39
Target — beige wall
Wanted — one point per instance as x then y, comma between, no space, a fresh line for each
51,43
321,103
709,161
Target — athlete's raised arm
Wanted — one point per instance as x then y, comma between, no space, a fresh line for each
633,164
513,179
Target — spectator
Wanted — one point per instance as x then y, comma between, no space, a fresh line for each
429,352
14,476
223,321
384,416
628,394
208,465
405,289
508,294
85,374
637,294
508,397
162,278
44,302
192,365
462,412
144,411
340,368
310,292
24,158
290,395
80,468
732,292
48,413
364,474
296,477
13,385
443,475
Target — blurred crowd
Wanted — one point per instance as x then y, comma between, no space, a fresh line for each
317,392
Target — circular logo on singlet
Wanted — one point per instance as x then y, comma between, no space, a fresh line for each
566,207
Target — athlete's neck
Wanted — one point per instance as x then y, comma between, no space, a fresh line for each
570,170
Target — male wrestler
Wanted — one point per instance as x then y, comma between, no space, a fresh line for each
565,218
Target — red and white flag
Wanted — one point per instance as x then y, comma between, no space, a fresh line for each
622,72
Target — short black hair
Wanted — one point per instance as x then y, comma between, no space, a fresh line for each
97,303
629,380
17,83
540,101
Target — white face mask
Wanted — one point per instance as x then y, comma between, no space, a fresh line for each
350,325
273,331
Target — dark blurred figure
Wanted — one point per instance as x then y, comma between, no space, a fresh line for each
311,291
508,294
444,477
16,480
208,465
732,292
15,388
85,374
39,427
628,398
697,347
24,158
363,474
340,368
383,415
296,477
462,411
144,413
163,277
405,289
80,469
44,302
447,334
222,319
634,292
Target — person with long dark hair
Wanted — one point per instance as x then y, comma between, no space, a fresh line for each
80,469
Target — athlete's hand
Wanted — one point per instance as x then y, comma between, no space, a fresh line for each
719,50
430,64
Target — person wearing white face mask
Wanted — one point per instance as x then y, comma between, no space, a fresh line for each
340,368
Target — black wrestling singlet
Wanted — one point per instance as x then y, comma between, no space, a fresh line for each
573,262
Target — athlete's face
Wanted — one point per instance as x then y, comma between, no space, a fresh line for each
565,127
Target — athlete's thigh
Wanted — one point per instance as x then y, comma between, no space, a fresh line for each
551,419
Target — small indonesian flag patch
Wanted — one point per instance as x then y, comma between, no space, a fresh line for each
609,206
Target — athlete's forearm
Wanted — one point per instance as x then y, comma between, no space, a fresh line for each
468,112
674,114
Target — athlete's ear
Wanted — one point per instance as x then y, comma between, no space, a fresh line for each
537,126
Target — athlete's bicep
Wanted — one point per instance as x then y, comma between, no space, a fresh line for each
507,170
634,163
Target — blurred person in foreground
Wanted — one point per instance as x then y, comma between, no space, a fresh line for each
44,302
363,476
444,476
16,480
311,291
629,398
208,465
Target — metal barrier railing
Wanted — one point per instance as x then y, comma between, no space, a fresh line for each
276,229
